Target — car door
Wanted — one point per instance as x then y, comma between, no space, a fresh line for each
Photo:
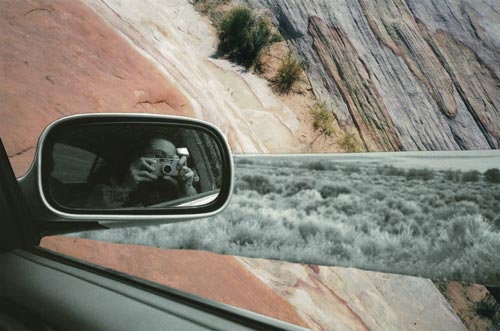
40,290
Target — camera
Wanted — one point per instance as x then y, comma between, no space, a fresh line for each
166,166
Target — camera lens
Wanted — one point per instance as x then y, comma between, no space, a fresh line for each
167,169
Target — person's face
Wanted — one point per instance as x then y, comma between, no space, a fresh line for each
159,148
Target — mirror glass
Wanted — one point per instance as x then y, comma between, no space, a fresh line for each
132,166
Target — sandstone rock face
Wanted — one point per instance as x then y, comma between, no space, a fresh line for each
408,74
176,38
63,57
464,299
358,91
216,277
59,58
320,298
330,298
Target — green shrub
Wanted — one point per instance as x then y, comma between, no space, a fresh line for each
276,38
349,143
243,35
487,307
492,175
288,74
323,119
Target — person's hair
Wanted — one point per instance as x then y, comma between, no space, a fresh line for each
144,143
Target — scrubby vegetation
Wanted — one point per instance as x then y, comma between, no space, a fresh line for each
489,309
311,210
289,73
492,175
349,143
243,35
470,176
323,119
211,8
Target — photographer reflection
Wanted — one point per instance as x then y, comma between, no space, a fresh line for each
153,174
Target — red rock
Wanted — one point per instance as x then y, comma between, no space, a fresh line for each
217,277
314,268
59,58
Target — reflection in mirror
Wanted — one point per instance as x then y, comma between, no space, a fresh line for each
117,166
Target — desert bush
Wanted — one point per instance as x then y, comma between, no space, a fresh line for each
467,207
496,222
323,119
257,183
242,160
404,206
487,307
350,143
392,171
370,247
378,195
347,204
210,7
293,187
241,185
431,201
464,195
319,165
351,168
289,73
334,190
308,229
452,175
393,217
492,175
470,176
243,36
423,174
316,165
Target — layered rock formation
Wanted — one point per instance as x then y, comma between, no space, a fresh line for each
331,298
408,74
320,298
176,38
63,57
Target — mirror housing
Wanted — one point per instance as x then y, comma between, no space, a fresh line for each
75,154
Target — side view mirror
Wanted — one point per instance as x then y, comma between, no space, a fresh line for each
126,167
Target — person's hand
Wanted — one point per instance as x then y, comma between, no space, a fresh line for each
184,178
140,170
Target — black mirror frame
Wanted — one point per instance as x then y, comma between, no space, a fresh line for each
47,140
